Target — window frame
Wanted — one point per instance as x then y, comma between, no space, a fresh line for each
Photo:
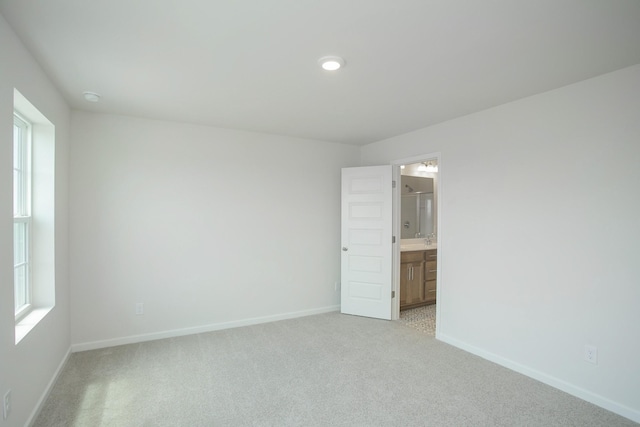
22,190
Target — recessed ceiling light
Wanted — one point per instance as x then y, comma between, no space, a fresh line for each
91,96
331,63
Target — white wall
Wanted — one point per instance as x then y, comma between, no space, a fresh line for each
207,227
27,368
540,233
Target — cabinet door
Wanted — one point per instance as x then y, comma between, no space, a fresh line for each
417,284
411,283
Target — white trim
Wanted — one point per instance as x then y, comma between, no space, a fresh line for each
30,321
25,166
47,390
132,339
22,146
552,381
39,214
397,232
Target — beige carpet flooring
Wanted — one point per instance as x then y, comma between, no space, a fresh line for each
324,370
421,318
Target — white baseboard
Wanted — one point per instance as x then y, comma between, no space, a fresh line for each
132,339
47,390
571,389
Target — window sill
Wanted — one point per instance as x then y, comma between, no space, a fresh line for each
28,322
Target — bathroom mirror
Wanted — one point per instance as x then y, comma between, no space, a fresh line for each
417,210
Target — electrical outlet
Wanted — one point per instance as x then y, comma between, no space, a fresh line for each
7,405
591,354
139,308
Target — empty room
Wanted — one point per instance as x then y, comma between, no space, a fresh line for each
227,213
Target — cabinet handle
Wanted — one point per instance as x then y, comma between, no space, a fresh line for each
411,278
432,271
408,271
432,256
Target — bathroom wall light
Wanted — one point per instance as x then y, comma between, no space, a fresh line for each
331,63
427,167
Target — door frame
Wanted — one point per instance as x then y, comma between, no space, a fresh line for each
395,302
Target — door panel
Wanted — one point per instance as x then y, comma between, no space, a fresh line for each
366,262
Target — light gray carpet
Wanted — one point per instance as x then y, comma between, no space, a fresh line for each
325,370
420,318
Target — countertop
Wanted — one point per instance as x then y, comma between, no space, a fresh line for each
407,245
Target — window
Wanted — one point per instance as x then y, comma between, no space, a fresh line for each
21,215
34,220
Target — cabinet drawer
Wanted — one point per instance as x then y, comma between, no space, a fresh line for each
415,256
430,291
431,270
430,287
431,255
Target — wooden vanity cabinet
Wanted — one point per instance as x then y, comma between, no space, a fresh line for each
418,270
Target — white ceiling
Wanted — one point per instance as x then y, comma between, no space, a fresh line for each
252,64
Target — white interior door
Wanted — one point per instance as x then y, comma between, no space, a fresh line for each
366,263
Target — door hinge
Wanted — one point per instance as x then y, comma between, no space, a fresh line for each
393,239
393,184
393,294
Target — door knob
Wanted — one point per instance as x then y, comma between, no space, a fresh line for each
345,249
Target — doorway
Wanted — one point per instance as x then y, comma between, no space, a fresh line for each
416,260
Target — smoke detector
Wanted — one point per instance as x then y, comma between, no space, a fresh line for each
92,96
